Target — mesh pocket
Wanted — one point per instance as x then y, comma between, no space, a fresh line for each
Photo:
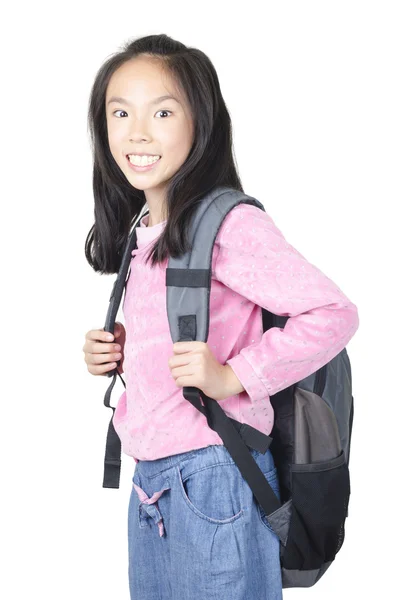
320,498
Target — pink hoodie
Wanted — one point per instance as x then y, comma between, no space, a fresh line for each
253,266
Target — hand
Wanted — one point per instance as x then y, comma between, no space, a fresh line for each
194,365
100,354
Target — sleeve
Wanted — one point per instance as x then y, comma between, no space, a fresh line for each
255,260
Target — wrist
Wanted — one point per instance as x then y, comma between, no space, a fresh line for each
234,385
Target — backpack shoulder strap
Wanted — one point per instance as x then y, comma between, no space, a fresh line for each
111,477
188,278
119,284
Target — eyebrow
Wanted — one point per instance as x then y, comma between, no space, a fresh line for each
120,100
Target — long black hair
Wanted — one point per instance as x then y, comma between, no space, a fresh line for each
210,162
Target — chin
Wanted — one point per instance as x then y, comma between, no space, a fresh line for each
142,185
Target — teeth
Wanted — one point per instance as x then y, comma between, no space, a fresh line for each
142,161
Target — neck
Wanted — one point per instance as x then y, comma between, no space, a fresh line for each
155,201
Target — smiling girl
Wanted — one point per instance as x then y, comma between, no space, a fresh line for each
162,137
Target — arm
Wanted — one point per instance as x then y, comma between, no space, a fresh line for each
271,273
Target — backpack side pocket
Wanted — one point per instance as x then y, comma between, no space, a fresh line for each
320,498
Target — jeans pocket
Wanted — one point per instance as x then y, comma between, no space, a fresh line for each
212,492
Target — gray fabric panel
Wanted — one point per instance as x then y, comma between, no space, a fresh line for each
337,394
280,521
295,578
316,429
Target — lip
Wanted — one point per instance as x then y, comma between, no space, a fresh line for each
142,154
144,168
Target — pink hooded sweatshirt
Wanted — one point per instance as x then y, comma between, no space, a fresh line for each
253,266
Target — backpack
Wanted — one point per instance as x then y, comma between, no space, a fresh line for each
313,418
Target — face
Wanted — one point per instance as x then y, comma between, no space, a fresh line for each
140,124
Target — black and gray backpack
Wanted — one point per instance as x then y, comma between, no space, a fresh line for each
313,418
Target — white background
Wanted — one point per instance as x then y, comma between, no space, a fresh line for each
311,89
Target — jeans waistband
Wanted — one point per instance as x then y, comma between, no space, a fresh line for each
217,453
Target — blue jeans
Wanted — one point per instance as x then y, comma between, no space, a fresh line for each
196,532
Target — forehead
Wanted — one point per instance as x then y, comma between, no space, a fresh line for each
141,80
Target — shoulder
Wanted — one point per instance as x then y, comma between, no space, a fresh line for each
246,223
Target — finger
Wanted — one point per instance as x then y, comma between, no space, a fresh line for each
182,371
101,347
95,347
99,359
99,335
182,360
118,329
101,369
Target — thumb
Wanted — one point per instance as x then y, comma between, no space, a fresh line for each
117,329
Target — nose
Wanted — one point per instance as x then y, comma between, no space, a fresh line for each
150,507
139,131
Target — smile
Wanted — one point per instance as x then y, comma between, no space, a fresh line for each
139,169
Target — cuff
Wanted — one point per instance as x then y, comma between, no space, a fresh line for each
254,387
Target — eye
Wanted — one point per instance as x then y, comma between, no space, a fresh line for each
165,111
121,110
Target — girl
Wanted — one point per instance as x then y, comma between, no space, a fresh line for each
162,138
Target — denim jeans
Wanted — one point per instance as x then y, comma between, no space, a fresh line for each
196,531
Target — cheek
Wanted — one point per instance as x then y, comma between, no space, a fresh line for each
177,149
